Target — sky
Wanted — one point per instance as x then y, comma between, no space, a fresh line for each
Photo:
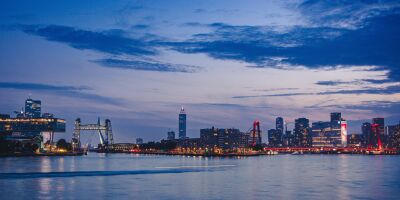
227,63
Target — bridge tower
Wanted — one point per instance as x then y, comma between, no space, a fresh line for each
105,142
256,134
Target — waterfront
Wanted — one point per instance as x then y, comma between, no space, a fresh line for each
132,176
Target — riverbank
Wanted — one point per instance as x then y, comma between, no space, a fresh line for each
41,154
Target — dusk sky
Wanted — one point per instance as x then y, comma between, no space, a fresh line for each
226,62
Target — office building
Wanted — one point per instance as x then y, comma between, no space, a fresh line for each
336,118
330,134
324,135
368,137
227,139
302,133
275,138
182,124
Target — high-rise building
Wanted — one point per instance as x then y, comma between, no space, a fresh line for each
368,137
394,136
336,118
279,126
302,133
274,138
182,124
323,135
171,135
32,108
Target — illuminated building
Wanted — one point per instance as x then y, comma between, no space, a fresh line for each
32,108
323,135
302,133
287,139
274,138
330,134
223,138
394,136
30,127
182,124
171,135
355,140
336,118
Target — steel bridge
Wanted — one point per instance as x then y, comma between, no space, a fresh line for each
106,140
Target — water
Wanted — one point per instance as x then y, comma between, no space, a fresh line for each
129,176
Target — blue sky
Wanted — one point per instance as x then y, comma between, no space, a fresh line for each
227,62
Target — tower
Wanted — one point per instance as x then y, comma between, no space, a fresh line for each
182,124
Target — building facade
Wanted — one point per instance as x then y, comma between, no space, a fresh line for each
302,133
227,139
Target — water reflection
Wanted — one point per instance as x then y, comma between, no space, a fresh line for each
130,176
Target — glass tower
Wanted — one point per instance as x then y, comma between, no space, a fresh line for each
182,124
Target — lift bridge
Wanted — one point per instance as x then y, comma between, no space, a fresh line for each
106,140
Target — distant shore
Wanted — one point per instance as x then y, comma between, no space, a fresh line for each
41,154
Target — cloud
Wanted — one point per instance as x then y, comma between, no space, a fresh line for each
38,86
111,41
140,26
146,65
71,91
375,43
355,82
375,106
345,14
333,83
384,91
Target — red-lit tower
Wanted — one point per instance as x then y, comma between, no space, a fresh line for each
256,133
376,131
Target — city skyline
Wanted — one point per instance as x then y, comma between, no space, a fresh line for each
138,62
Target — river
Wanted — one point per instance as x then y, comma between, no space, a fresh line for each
132,176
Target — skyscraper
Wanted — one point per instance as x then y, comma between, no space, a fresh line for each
367,134
302,133
336,118
32,108
182,124
279,126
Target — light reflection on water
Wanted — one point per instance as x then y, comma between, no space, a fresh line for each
130,176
